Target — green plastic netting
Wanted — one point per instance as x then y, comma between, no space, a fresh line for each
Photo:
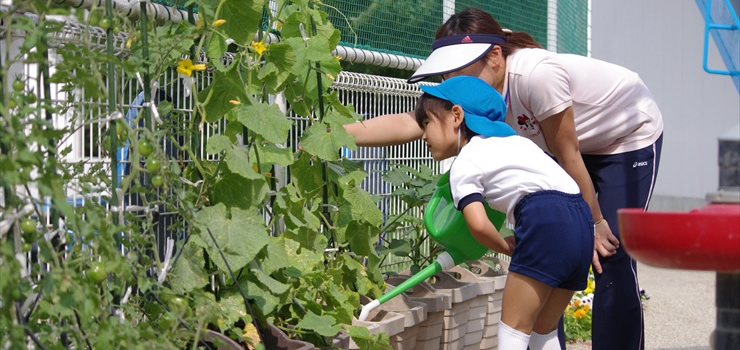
572,26
407,27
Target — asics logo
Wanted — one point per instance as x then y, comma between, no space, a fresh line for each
639,164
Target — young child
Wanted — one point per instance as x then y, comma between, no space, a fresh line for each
554,229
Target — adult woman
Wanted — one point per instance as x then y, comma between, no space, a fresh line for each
598,120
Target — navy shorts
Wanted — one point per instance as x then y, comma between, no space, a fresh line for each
554,239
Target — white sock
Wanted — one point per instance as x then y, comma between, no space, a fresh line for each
511,339
547,341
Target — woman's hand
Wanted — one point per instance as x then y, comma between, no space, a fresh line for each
605,243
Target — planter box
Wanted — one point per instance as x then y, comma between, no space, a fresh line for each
429,331
483,270
462,296
380,321
479,305
414,313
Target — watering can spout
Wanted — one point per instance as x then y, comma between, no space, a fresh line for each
444,262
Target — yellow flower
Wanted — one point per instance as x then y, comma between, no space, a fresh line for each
219,22
586,307
251,334
339,58
259,47
235,102
590,287
186,67
580,313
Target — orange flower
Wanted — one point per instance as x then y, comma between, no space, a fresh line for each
576,302
580,313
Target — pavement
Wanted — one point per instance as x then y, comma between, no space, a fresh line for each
681,311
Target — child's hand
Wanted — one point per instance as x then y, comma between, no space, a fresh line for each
511,242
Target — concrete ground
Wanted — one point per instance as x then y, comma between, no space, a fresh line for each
680,314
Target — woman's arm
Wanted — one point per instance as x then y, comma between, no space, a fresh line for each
386,130
560,134
483,230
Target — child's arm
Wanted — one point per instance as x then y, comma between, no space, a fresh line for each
483,230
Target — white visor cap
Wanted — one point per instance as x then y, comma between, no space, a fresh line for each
456,52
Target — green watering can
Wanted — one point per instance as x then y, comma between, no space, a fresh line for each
446,226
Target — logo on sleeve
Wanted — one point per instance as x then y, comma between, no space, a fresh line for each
636,164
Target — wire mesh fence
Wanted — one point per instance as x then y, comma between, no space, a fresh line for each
86,114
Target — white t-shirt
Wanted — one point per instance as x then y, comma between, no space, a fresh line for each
614,110
503,170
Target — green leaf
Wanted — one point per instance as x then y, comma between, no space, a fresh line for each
399,247
216,48
323,325
271,154
325,142
347,173
237,160
270,283
241,236
338,106
294,209
306,174
235,191
264,299
217,144
357,275
362,337
232,307
362,238
266,120
242,19
362,206
310,51
280,61
188,274
309,239
224,87
285,252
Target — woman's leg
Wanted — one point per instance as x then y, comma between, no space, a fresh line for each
621,181
524,298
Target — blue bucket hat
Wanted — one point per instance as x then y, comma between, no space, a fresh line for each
485,109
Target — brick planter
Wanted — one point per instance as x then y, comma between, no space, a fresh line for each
429,333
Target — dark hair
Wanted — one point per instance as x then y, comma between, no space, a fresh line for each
431,104
475,21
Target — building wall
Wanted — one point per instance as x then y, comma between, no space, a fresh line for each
662,40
